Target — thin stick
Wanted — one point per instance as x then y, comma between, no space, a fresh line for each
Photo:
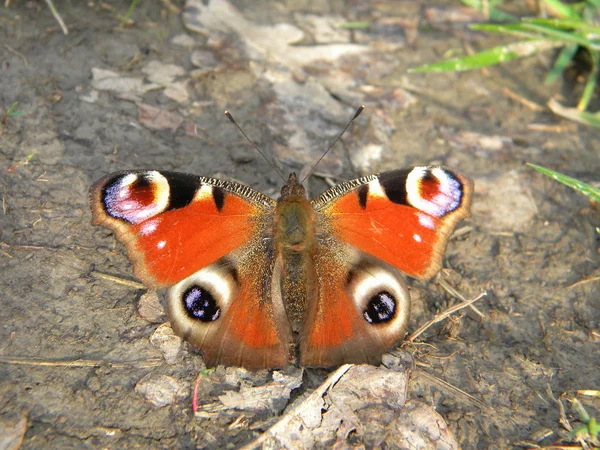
20,55
22,360
57,16
584,281
451,387
522,100
453,292
442,316
119,280
232,120
356,114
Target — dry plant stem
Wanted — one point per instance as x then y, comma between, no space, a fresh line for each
285,420
584,281
433,379
27,247
123,281
22,360
440,317
57,17
522,100
20,55
453,292
560,128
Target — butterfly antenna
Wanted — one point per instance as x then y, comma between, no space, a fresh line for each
356,114
232,120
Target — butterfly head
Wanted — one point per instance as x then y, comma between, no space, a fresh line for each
292,188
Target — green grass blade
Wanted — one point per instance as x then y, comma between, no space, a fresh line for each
132,6
355,25
565,24
595,3
559,8
489,57
590,85
562,61
516,29
564,36
579,186
10,112
494,13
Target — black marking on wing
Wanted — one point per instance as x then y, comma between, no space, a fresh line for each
394,185
363,195
218,197
182,188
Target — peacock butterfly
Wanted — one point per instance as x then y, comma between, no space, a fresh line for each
260,283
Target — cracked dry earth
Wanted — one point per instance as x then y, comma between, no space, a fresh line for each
86,360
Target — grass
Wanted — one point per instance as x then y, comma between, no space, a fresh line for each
571,28
11,112
581,187
589,430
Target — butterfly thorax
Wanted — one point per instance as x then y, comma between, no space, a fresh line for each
295,244
294,217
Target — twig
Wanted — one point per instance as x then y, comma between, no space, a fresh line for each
440,317
21,55
28,247
23,360
317,394
123,281
171,7
584,281
522,100
453,292
439,381
57,17
558,128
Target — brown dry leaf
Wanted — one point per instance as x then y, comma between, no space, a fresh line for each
365,402
128,88
271,397
160,390
157,119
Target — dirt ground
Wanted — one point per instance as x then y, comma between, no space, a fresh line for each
87,370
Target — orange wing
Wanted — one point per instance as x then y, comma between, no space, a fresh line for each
359,309
403,217
206,239
368,230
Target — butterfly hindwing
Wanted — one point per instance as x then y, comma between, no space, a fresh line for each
359,308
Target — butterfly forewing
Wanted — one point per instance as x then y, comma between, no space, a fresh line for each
403,217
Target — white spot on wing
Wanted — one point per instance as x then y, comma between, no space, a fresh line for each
149,227
204,193
161,245
417,238
376,190
446,200
426,221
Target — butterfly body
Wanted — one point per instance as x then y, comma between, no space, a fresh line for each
261,283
